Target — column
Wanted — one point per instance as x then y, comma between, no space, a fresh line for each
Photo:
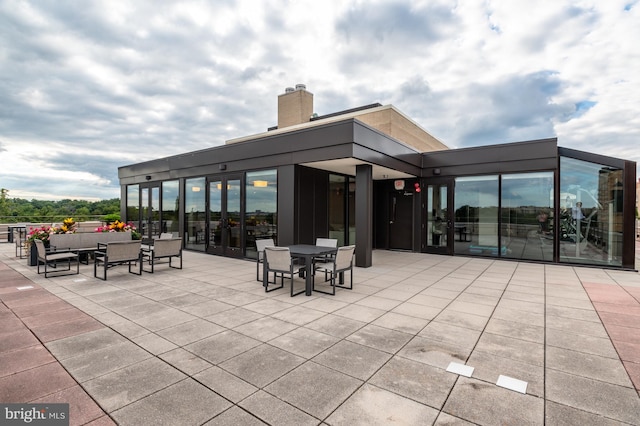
364,215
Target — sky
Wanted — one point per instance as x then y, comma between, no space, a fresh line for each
89,86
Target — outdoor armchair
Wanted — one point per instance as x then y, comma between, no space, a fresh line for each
325,242
342,262
260,246
117,253
279,261
163,248
53,258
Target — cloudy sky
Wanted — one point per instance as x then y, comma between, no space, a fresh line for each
88,86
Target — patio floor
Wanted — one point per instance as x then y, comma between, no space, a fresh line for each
207,345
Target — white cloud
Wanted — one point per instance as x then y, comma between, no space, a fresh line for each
117,83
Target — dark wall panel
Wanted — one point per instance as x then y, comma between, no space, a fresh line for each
505,158
312,207
287,213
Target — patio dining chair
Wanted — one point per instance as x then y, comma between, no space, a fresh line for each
325,242
20,240
163,248
52,259
260,246
342,262
117,253
279,261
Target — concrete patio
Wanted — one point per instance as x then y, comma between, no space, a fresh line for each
206,345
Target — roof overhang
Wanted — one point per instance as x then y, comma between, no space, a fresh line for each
347,166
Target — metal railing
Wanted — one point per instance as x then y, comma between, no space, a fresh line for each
36,221
8,220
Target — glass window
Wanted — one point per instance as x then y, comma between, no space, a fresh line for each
476,215
590,213
195,213
133,205
337,211
527,216
261,208
437,216
170,207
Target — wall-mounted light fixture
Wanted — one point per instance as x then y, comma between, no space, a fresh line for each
260,183
147,177
436,171
222,167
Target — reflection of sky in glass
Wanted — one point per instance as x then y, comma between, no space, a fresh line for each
132,196
476,191
170,195
233,196
579,180
527,189
522,189
262,198
195,199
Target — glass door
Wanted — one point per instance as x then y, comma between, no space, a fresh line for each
150,211
225,216
439,217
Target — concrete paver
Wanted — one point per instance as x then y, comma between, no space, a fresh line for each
206,345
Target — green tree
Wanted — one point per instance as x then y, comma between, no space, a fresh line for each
4,210
20,210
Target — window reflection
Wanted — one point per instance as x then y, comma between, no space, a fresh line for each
195,213
337,212
261,208
170,207
527,215
133,205
476,216
591,213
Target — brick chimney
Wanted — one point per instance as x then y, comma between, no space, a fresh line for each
295,106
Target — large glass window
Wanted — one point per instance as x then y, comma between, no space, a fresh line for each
342,205
527,216
133,205
476,216
337,211
590,213
261,208
170,207
437,216
195,213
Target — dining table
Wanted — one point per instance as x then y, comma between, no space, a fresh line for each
307,252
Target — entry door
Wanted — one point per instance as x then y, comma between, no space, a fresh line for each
225,219
401,220
439,217
149,211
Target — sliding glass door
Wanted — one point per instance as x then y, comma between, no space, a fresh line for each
225,216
